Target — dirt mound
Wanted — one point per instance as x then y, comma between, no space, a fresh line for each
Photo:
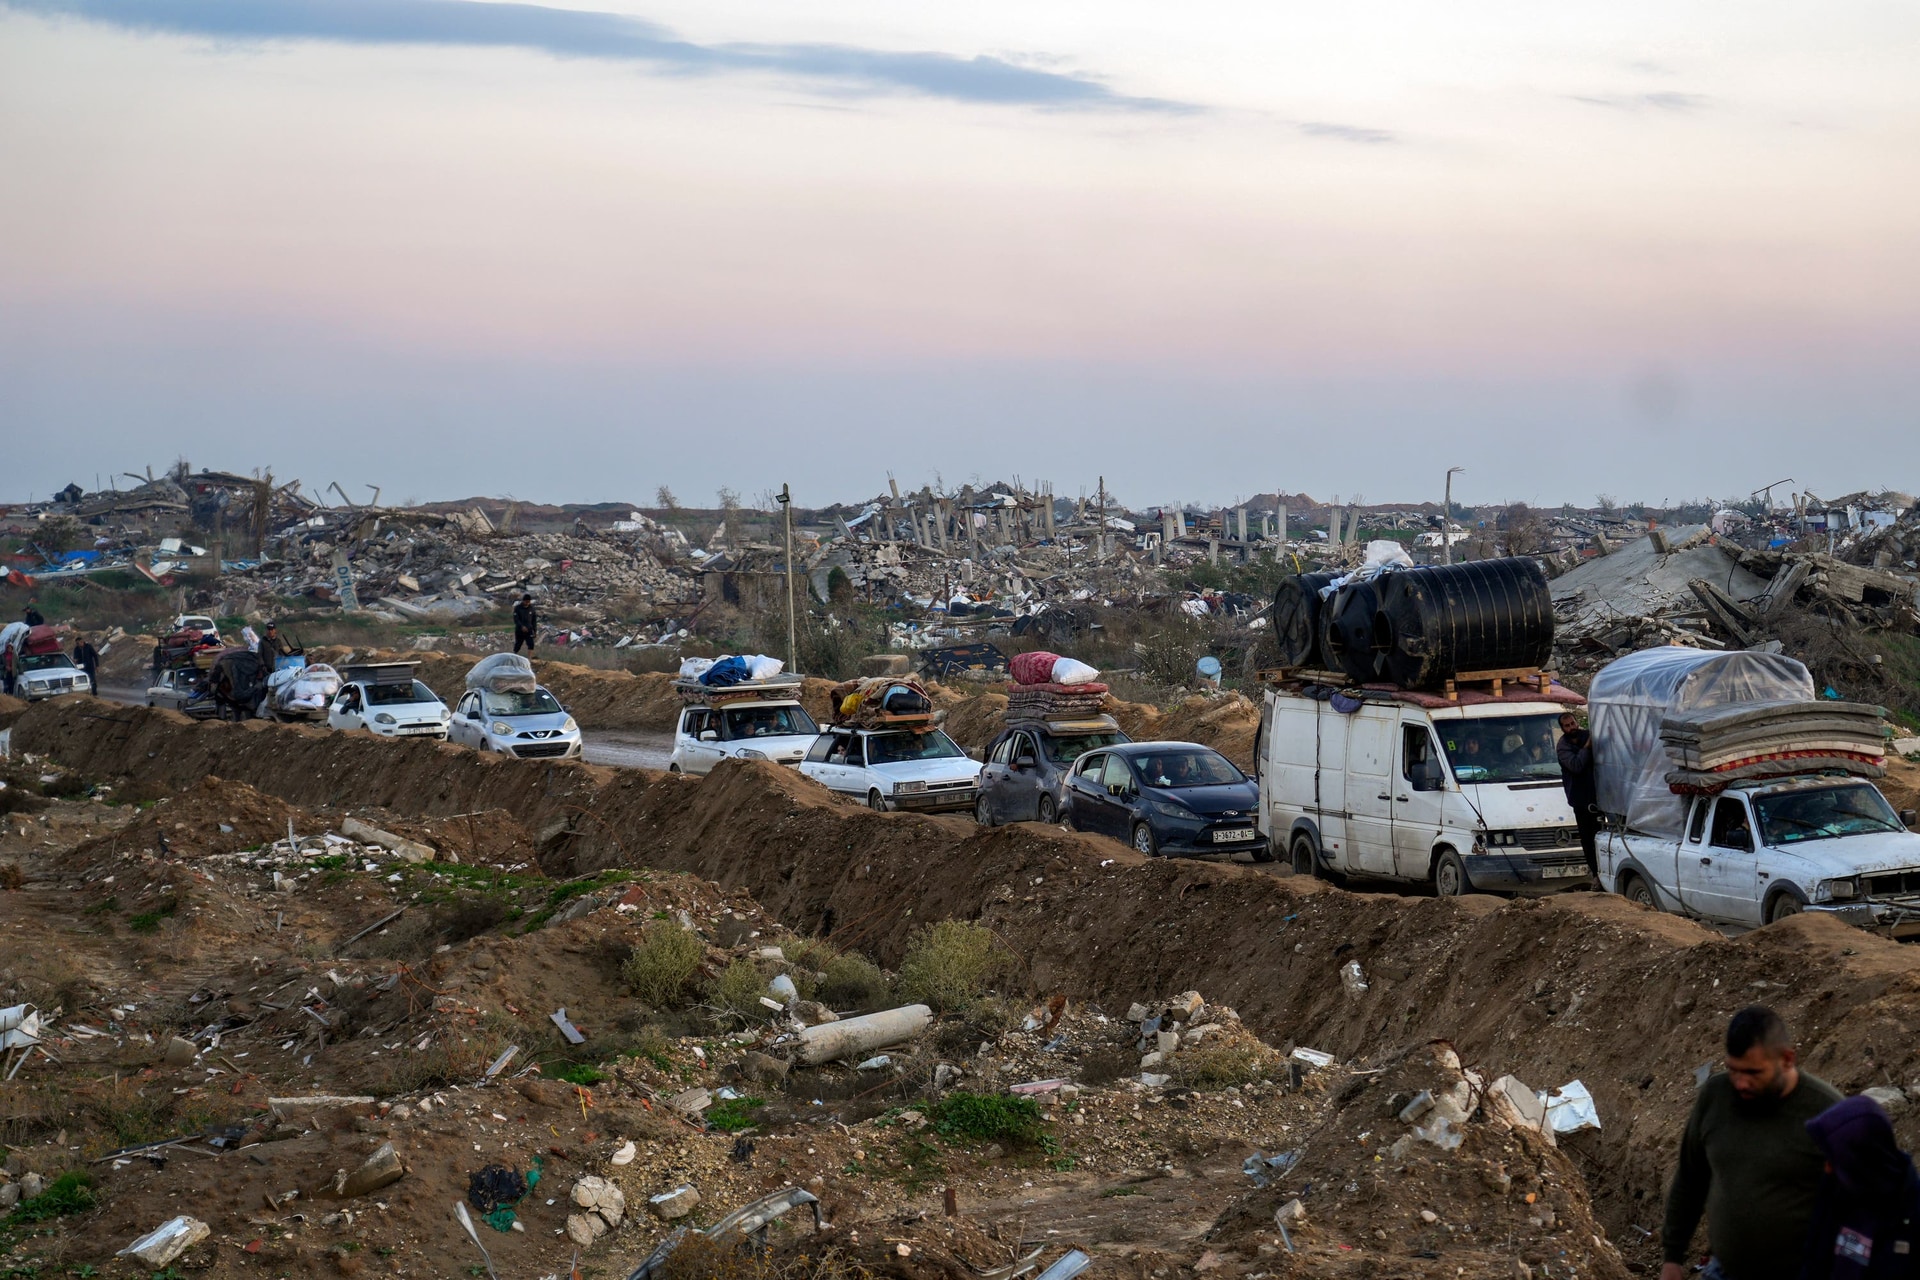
1902,783
1580,986
10,709
1225,722
212,816
128,661
973,722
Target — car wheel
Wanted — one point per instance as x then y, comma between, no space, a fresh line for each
673,768
1450,877
1263,851
1306,859
1047,813
1785,903
876,802
1636,889
983,812
1143,841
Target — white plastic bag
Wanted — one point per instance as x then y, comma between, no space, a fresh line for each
1383,553
761,667
694,668
1074,671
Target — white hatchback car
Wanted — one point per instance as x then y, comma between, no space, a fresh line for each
402,708
892,769
531,725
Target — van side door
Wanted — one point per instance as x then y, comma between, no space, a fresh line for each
1371,734
1419,797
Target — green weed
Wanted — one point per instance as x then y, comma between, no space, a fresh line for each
951,964
730,1115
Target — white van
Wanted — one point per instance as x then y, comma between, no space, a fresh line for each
1464,796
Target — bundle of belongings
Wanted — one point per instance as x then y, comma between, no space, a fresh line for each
1047,686
1715,746
189,647
877,701
305,688
728,669
502,673
1671,722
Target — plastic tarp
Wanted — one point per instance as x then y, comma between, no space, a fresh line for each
761,667
502,673
1631,696
694,668
307,688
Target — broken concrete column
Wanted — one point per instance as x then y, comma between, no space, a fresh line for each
378,1170
1240,515
856,1037
411,850
1280,525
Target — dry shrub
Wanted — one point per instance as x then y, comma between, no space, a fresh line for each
951,964
662,963
704,1258
738,989
1228,1058
839,980
12,878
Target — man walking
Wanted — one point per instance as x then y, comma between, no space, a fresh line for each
1747,1159
525,622
1866,1223
87,658
1576,779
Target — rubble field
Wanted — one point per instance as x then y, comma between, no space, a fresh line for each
202,881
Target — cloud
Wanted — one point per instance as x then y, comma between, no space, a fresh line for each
1345,132
1666,101
575,33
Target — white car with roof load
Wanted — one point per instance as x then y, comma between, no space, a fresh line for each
527,724
384,698
1463,796
893,769
751,720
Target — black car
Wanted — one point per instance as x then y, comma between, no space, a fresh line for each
1024,778
1166,797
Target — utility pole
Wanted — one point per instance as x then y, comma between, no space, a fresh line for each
793,648
1446,521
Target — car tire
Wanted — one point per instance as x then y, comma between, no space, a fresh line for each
674,767
1636,889
876,801
1262,851
983,812
1450,876
1783,904
1046,812
1143,841
1306,858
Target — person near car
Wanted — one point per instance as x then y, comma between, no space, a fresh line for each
1576,779
87,658
526,622
272,646
1866,1221
1747,1160
31,615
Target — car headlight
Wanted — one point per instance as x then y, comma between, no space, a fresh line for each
569,726
1171,809
503,729
1502,839
1842,888
901,788
384,718
748,753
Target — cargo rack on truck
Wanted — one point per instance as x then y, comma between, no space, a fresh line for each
785,687
1496,682
378,672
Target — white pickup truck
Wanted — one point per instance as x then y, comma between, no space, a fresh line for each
1762,851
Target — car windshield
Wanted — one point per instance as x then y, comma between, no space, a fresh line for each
1067,750
520,702
899,748
1823,813
1186,767
1502,748
398,695
44,661
768,722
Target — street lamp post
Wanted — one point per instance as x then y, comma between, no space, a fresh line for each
793,648
1446,520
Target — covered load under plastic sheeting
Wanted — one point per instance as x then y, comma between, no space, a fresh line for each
1631,697
503,673
308,688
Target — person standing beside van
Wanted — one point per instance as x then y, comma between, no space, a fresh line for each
1576,778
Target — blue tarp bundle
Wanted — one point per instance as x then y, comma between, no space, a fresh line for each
727,671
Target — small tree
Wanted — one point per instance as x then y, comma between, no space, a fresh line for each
663,498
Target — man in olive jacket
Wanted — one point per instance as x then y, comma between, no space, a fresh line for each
1747,1159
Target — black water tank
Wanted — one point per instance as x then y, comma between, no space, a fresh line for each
1487,615
1346,631
1296,619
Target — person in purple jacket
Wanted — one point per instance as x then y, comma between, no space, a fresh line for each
1866,1222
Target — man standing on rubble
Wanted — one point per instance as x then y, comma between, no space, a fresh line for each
526,621
87,658
1576,778
272,646
1747,1159
32,616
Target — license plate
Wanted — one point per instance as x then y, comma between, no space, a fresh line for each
1564,873
1233,837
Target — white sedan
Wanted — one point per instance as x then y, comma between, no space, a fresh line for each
891,769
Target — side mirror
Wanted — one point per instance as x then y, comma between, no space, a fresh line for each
1908,817
1741,840
1426,776
1024,762
708,735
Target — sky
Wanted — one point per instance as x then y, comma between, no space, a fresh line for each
456,247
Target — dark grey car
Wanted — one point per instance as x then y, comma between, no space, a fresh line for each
1026,770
